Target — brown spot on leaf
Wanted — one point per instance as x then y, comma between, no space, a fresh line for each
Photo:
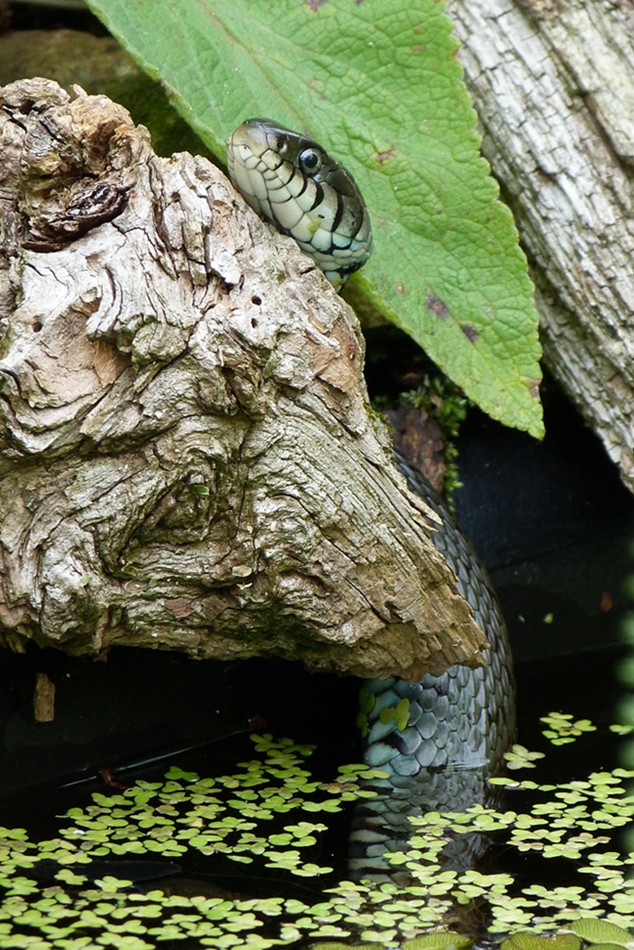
418,48
470,332
314,4
533,387
437,306
400,288
386,155
417,30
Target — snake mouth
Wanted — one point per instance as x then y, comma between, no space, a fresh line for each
251,157
251,140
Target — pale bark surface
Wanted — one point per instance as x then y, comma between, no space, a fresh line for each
187,457
553,84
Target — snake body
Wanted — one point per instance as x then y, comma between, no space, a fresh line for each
439,739
453,734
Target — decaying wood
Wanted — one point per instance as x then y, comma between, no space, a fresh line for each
553,84
187,457
44,699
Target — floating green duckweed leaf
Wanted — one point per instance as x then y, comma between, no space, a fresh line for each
68,877
14,834
520,758
378,936
563,730
398,714
362,724
209,815
344,946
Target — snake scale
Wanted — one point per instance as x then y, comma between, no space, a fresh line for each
439,739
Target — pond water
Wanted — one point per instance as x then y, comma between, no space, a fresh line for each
243,841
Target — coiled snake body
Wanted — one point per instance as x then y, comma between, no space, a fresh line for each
439,739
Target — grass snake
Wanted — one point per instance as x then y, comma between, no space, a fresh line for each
439,739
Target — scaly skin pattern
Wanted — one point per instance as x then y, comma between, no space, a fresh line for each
441,739
291,181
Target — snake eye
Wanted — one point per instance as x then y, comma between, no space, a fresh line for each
310,161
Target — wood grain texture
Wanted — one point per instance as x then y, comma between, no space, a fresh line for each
188,460
553,85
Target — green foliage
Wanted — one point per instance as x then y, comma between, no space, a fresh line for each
601,932
626,710
399,714
530,941
101,67
437,940
366,705
441,400
381,89
440,940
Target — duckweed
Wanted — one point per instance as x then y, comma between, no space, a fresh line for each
563,730
268,815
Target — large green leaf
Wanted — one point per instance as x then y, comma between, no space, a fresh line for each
379,86
525,940
601,932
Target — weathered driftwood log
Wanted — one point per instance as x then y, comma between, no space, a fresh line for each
553,83
188,460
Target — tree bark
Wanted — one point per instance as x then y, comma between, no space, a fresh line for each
553,84
188,460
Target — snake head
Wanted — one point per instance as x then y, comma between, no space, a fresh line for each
291,181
